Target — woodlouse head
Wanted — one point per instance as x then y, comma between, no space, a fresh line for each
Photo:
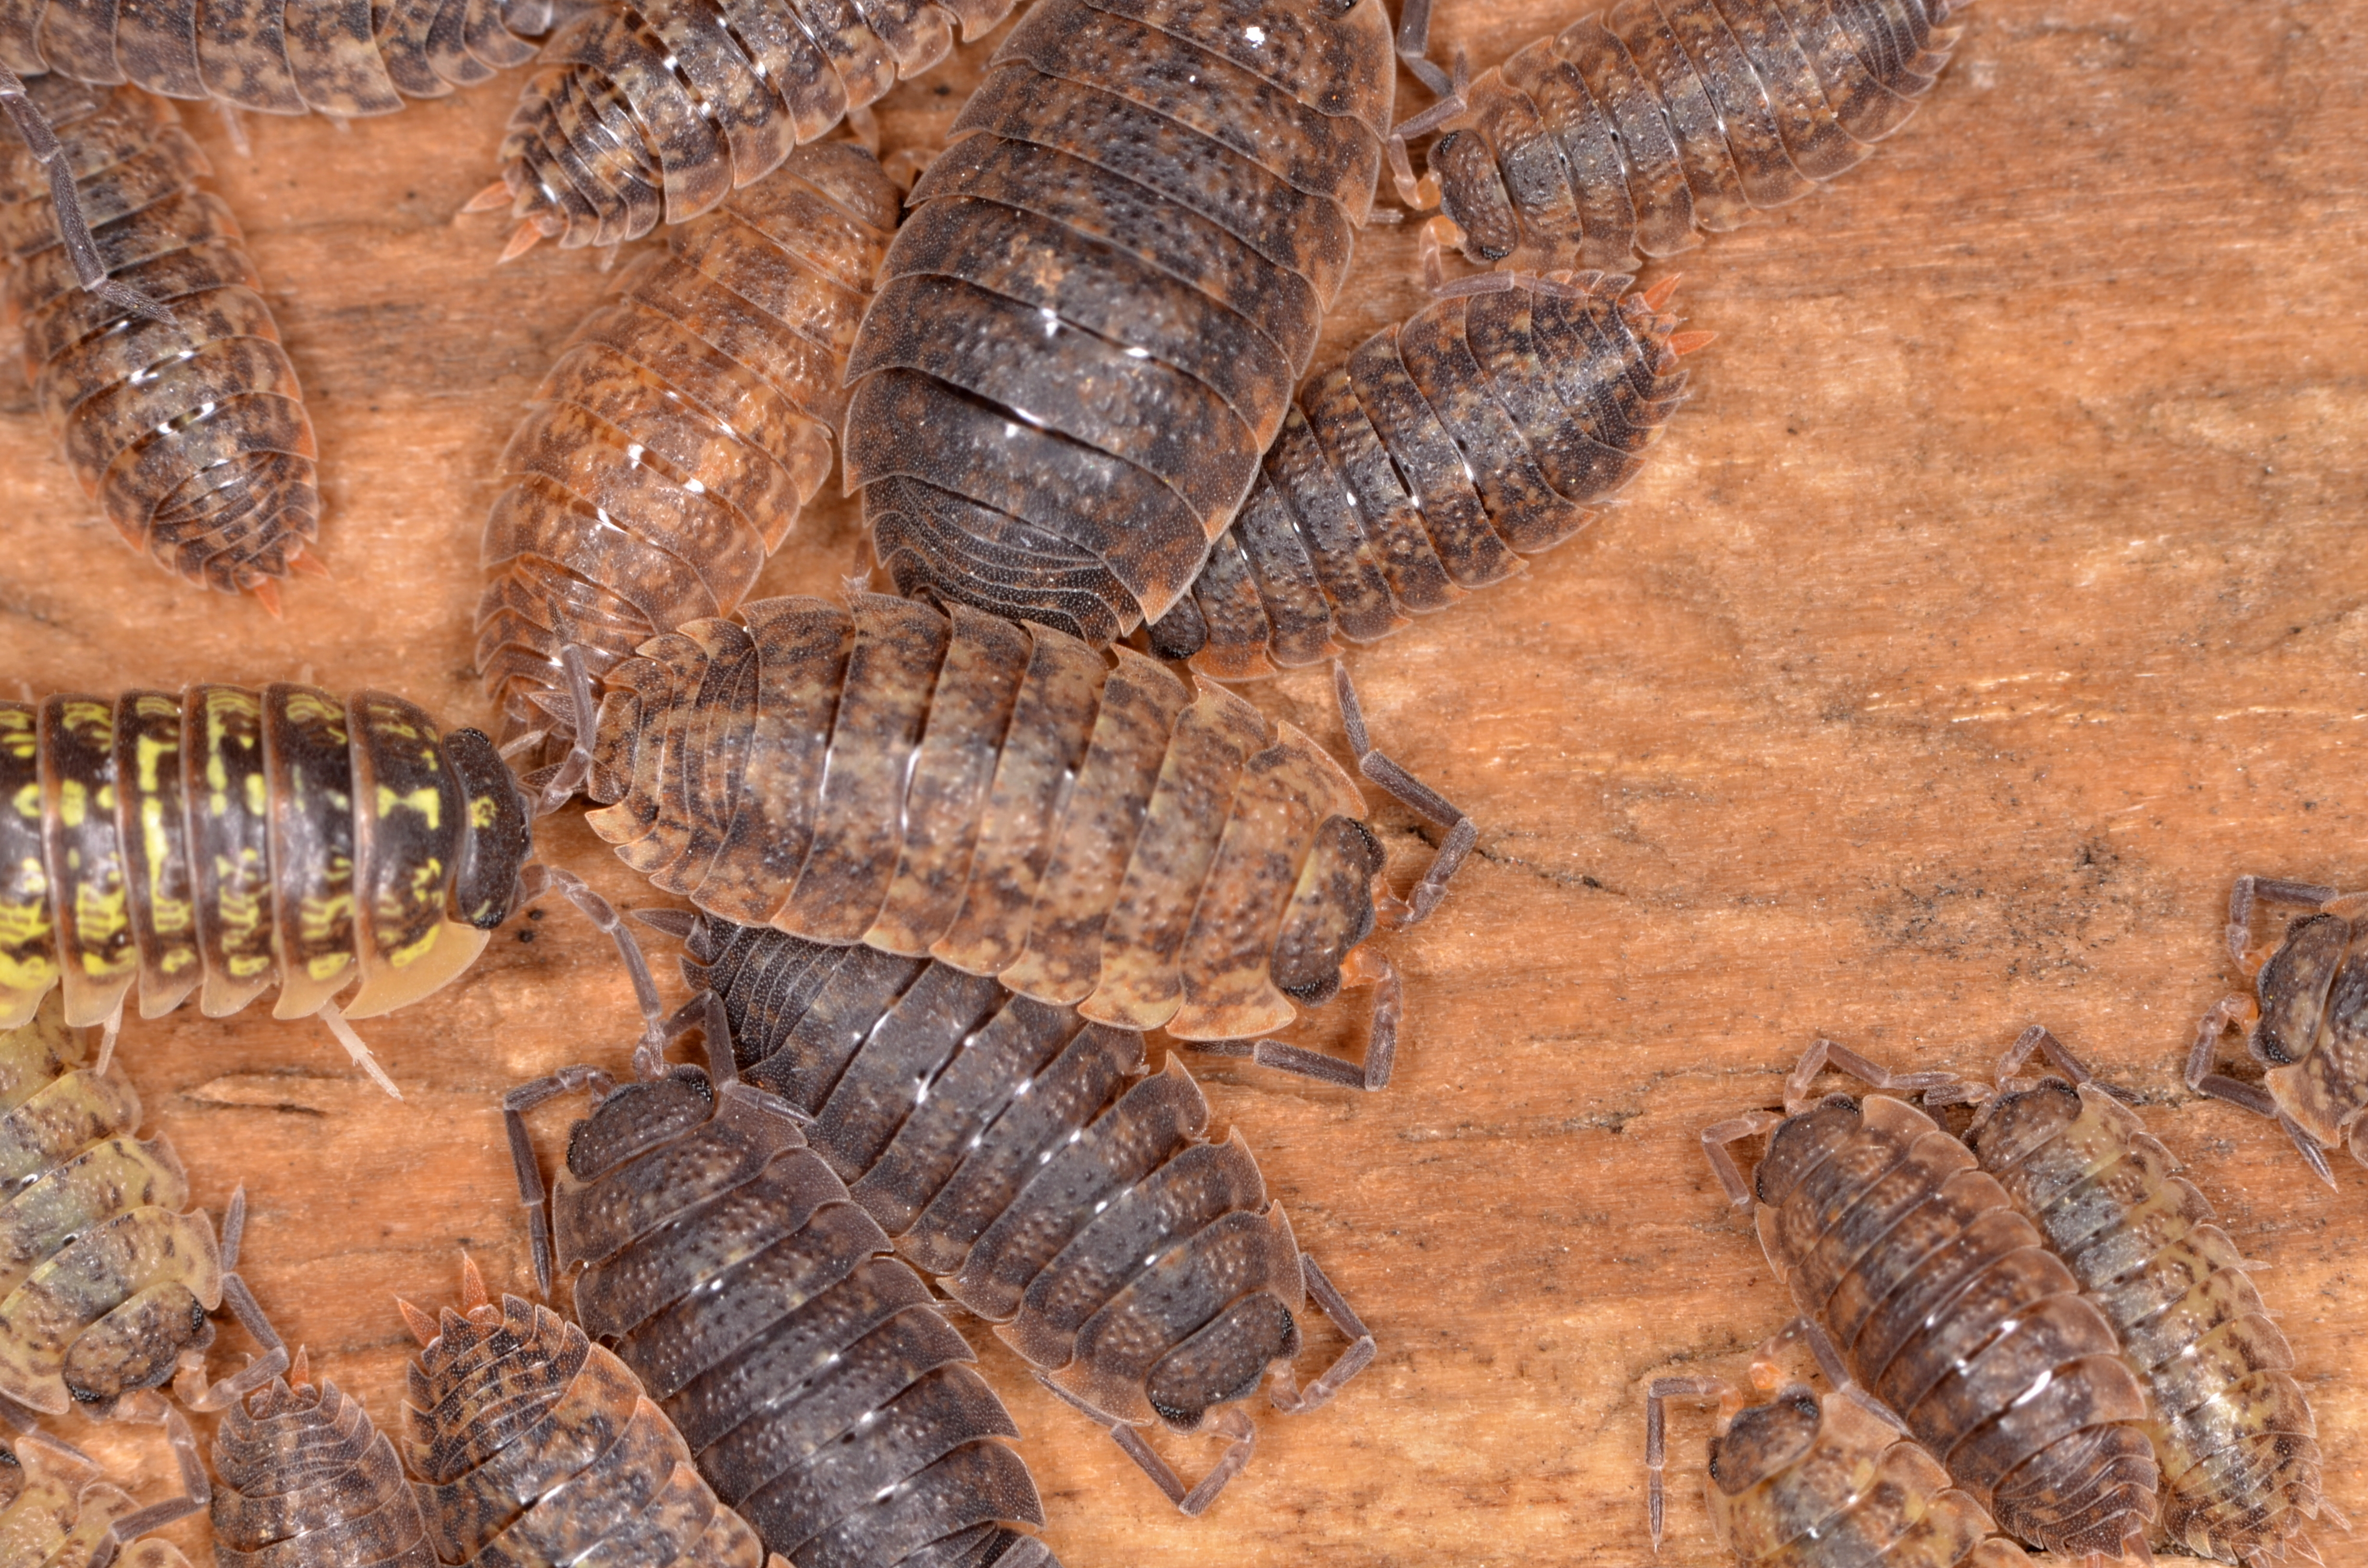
1330,912
638,1115
1801,1143
1223,1361
1764,1439
497,839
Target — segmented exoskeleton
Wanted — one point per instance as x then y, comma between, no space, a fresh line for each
1807,1480
304,1480
2307,1023
2231,1428
534,1448
1441,455
824,1395
1636,126
659,108
226,840
190,432
1023,1158
1082,825
1944,1302
58,1510
1087,332
669,449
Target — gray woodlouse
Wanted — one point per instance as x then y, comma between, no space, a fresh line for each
2307,1023
1080,824
2230,1426
1831,1481
669,449
1946,1304
1637,125
1087,331
1026,1160
190,431
59,1510
820,1392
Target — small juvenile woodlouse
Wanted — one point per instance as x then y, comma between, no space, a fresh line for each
1080,824
1945,1303
824,1395
1441,455
189,430
58,1509
1025,1159
2231,1428
1807,1480
1087,331
225,840
669,449
2307,1022
1636,126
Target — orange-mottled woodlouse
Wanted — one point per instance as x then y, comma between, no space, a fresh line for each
1026,1160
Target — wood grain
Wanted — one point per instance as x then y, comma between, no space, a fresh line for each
1997,599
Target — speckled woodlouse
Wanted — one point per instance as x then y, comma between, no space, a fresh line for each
1832,1481
1945,1302
190,432
1087,331
1441,455
59,1510
224,840
1082,825
1026,1160
668,450
1637,125
2307,1023
2230,1426
824,1395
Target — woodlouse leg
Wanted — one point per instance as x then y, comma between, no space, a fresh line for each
1414,46
1231,1423
1766,1374
1412,793
572,1080
197,1490
2255,1097
73,229
1719,1134
2038,1040
537,878
1826,1054
577,765
2273,892
189,1381
1364,967
1354,1360
1730,1399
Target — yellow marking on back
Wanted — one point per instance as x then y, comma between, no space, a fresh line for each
74,803
317,918
306,706
427,801
16,736
150,751
85,713
412,952
483,811
27,803
99,920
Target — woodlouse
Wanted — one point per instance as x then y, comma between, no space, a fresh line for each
1638,125
1087,331
226,840
2231,1429
1082,825
1945,1303
824,1395
1831,1481
189,430
59,1510
2307,1023
1445,452
1026,1160
668,450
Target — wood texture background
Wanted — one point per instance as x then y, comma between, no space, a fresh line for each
1999,598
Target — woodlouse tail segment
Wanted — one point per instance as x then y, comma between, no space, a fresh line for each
188,427
1485,430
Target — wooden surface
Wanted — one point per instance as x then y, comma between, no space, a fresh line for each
1997,599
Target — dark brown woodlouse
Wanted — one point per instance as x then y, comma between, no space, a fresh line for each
660,108
1445,452
1026,1160
824,1395
1080,824
1832,1481
1087,331
2231,1428
2307,1023
190,432
225,840
534,1448
1944,1301
59,1510
1638,125
669,449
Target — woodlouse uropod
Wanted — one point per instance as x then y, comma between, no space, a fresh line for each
2307,1023
820,1392
1080,824
1811,1480
190,430
1026,1160
2231,1428
59,1510
670,448
224,840
1943,1301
